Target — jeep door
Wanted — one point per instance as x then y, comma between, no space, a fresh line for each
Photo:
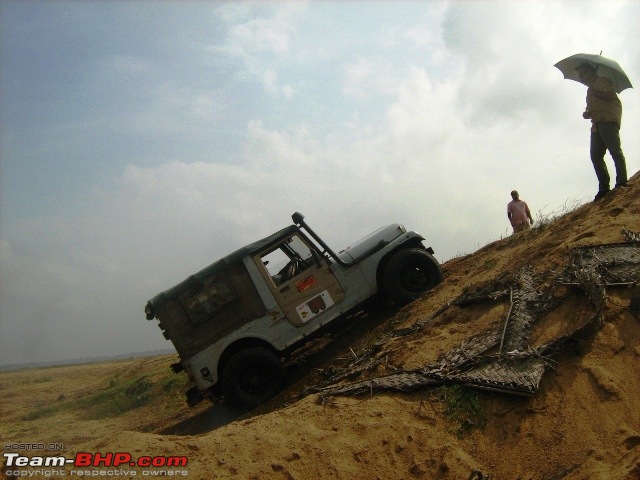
301,281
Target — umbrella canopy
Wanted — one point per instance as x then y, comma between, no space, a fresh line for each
605,67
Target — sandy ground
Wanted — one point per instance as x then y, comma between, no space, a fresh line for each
583,422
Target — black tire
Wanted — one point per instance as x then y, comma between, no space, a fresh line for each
409,273
252,376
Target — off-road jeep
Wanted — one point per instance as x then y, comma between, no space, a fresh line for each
234,322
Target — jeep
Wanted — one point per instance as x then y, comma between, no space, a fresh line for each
236,321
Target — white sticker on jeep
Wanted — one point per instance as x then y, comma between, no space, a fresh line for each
314,306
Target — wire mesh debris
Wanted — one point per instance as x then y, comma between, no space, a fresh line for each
517,367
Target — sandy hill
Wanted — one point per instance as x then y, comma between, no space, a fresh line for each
581,419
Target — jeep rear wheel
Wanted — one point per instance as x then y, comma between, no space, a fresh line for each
409,273
252,376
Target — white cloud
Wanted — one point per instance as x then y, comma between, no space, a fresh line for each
357,77
260,43
423,111
423,37
270,82
261,35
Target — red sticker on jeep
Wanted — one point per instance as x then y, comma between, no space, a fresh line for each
306,283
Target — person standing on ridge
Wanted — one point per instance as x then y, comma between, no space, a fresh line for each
518,213
604,109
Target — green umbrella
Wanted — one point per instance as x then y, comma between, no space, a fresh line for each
605,67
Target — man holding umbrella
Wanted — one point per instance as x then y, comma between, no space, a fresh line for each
605,112
604,79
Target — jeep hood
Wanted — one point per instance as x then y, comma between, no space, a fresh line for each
371,243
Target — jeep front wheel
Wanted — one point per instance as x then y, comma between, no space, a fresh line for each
409,273
252,376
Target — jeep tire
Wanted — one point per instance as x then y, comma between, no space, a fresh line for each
252,376
408,274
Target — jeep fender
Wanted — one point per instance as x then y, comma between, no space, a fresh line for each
205,367
240,344
412,242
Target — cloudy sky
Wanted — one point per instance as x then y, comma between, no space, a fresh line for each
141,141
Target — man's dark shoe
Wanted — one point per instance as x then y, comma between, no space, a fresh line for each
600,194
624,185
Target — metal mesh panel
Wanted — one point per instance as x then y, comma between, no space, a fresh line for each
618,263
521,315
517,368
511,375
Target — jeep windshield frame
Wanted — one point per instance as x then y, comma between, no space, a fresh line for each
298,219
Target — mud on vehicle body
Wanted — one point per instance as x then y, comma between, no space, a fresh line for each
234,322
